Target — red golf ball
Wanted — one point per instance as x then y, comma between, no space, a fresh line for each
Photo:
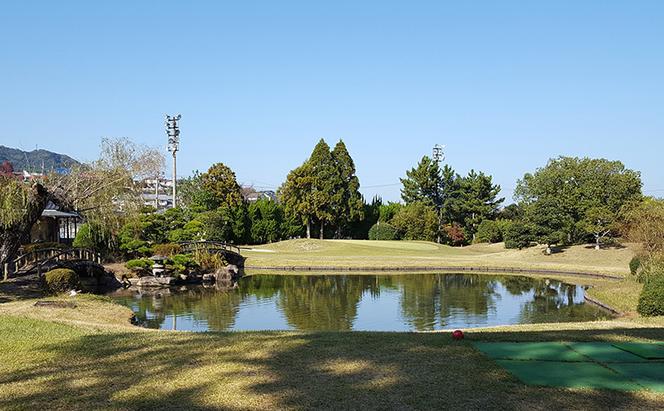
457,335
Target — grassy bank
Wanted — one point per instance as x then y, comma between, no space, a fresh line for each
622,295
89,357
405,254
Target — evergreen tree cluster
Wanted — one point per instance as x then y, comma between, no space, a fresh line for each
460,204
324,192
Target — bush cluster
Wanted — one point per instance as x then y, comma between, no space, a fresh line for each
167,250
61,280
651,301
383,231
492,231
518,235
140,266
181,264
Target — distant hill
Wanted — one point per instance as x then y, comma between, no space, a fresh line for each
36,160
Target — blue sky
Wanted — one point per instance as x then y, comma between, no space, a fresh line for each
504,85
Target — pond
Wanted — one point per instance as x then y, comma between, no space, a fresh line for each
411,302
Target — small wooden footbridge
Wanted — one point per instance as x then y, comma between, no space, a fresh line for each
44,259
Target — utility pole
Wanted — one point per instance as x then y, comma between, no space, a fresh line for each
173,133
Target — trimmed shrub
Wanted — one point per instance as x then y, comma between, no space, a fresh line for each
635,264
181,263
651,301
61,280
141,266
383,231
136,248
519,235
167,250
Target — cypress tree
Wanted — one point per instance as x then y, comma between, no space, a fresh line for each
325,180
347,202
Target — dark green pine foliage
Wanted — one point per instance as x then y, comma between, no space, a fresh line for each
325,179
347,202
475,200
423,184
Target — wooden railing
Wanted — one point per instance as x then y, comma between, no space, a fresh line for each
37,259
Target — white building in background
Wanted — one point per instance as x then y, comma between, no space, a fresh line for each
157,193
251,195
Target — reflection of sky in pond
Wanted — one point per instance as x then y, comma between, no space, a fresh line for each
417,302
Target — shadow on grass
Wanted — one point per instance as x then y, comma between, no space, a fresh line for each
146,370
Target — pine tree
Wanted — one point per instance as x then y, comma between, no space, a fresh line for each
428,183
475,200
423,184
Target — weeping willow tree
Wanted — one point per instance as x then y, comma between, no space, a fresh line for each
105,192
21,206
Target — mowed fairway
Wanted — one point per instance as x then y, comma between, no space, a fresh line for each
83,361
415,254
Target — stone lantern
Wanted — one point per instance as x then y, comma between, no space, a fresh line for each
158,268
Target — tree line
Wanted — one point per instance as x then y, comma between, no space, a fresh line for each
568,201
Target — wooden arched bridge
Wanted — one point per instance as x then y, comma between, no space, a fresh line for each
231,254
44,259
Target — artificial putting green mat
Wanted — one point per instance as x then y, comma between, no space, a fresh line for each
605,353
546,351
653,351
569,375
649,375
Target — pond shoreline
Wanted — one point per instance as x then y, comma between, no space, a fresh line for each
420,269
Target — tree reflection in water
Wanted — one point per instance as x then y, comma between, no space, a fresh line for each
420,302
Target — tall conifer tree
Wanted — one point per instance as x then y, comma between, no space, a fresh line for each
347,202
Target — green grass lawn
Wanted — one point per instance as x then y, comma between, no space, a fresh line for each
90,357
85,358
409,254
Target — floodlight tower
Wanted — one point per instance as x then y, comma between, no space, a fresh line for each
439,157
438,153
173,133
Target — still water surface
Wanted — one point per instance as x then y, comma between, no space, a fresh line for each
413,302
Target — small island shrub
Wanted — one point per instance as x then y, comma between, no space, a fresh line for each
181,264
61,280
208,262
383,231
140,266
167,250
651,301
